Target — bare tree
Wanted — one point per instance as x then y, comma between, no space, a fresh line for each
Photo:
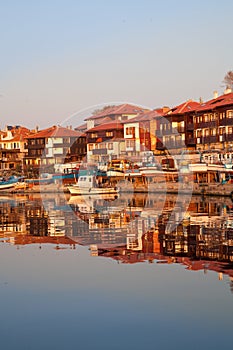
228,79
97,111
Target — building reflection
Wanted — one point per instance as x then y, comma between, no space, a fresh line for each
129,229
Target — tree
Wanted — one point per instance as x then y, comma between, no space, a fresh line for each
228,79
98,111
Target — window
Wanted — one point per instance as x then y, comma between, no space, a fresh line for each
130,144
130,130
222,131
90,147
109,133
230,114
110,145
93,135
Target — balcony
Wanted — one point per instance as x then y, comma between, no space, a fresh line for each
160,146
228,137
210,139
190,127
191,141
202,125
101,151
179,129
226,121
38,146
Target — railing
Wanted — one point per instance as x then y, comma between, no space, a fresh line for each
99,151
212,124
190,127
228,137
160,146
210,139
226,121
191,141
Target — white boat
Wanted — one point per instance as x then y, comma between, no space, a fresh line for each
10,183
88,185
116,168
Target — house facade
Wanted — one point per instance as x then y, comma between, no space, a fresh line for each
176,130
105,142
55,145
13,148
213,124
140,134
109,114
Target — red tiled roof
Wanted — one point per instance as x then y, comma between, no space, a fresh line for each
223,100
55,131
185,107
108,126
143,116
81,127
18,134
118,110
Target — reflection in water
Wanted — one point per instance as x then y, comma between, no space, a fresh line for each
129,229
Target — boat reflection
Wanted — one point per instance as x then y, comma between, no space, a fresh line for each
127,228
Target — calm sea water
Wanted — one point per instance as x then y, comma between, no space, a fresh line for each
110,274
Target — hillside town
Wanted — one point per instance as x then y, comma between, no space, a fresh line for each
203,129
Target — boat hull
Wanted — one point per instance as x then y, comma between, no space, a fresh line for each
7,187
76,190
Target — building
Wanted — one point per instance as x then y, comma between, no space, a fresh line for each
105,142
175,128
54,145
109,114
140,134
13,148
213,125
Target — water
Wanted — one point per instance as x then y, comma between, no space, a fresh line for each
111,274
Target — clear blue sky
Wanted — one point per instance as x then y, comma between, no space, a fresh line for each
59,57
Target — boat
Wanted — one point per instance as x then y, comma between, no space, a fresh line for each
117,168
10,183
90,184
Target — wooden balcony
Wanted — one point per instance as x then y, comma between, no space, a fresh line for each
228,137
226,121
202,125
192,141
160,146
190,127
99,151
210,139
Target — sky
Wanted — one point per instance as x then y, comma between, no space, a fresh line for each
59,60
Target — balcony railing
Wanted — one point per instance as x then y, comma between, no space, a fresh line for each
160,146
226,121
210,139
99,151
202,125
191,141
190,127
228,137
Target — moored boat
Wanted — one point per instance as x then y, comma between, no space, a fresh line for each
9,184
90,185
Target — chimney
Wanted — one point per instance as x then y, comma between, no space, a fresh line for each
165,109
227,90
215,94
